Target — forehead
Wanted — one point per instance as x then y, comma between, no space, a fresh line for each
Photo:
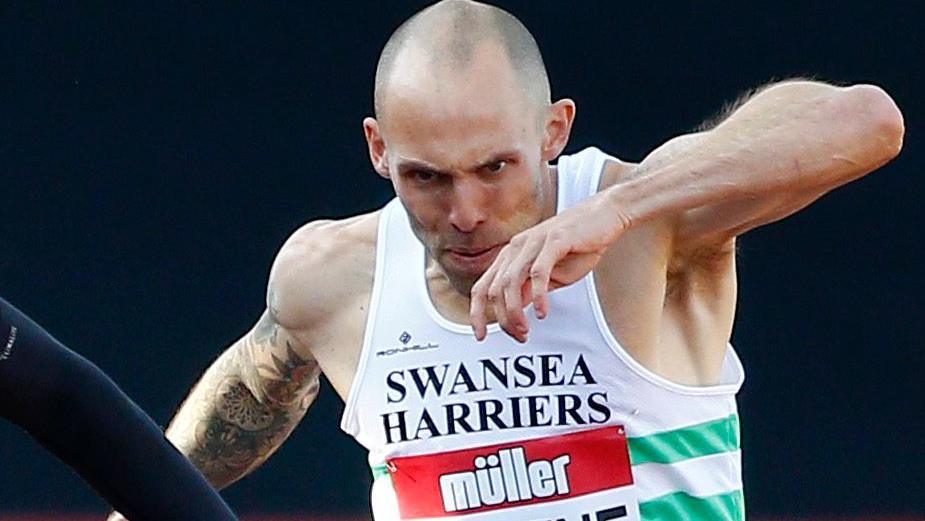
431,109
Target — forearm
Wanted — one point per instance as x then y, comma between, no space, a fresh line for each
238,414
793,138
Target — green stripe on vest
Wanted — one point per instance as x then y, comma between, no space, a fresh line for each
695,441
380,471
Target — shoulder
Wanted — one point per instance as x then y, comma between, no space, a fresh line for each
668,229
323,266
616,171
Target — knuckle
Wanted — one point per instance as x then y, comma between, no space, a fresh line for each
523,270
556,236
478,289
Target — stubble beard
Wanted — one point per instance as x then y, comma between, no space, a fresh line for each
462,284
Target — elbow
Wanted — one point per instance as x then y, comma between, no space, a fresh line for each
76,392
881,121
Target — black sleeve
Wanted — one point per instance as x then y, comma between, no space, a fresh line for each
75,411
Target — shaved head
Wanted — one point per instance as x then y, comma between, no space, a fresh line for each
447,39
465,130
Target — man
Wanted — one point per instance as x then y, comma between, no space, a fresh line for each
612,397
68,405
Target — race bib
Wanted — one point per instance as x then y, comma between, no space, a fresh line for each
583,476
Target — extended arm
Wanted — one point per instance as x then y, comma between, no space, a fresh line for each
780,151
79,414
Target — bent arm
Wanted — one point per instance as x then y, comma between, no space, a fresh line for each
78,413
781,150
246,404
253,396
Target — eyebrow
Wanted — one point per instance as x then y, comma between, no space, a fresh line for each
414,164
407,164
499,156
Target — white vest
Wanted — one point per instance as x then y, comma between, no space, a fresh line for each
426,391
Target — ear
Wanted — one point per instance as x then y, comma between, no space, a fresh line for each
374,141
559,118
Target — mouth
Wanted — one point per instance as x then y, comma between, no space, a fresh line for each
473,257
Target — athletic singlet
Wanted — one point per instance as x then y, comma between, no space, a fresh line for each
567,427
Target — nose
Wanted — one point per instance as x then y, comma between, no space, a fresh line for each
468,209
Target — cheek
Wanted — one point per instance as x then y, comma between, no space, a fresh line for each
518,197
425,209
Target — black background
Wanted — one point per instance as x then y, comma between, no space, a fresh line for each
154,157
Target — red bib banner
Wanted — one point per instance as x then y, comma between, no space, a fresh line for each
581,476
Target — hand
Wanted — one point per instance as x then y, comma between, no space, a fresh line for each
555,253
115,516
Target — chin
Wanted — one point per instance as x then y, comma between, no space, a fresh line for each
463,285
462,281
462,276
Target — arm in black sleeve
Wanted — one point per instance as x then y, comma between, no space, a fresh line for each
75,411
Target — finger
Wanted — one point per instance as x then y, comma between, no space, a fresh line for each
513,309
514,284
477,312
497,302
541,271
478,307
479,301
504,293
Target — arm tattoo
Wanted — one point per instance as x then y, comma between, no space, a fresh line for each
239,434
288,377
247,409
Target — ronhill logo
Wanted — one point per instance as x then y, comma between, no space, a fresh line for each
404,338
504,477
389,351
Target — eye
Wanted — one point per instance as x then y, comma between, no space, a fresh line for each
423,176
496,167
